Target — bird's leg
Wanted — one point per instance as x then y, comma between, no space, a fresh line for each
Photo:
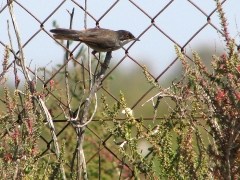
94,54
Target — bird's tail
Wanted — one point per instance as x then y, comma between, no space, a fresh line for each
66,34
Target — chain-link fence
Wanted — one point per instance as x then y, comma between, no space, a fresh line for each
67,73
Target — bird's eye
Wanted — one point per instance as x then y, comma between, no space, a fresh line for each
127,36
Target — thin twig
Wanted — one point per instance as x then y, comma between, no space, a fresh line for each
89,53
95,87
17,80
66,66
22,57
52,129
53,133
81,157
84,117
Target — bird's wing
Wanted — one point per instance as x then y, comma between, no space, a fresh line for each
92,38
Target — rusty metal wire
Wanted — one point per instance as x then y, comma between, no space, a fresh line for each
152,19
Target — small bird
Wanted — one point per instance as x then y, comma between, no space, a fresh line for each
100,40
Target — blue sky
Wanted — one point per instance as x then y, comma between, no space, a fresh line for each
180,21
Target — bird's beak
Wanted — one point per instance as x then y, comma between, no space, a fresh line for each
136,39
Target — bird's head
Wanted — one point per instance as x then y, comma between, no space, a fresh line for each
125,36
